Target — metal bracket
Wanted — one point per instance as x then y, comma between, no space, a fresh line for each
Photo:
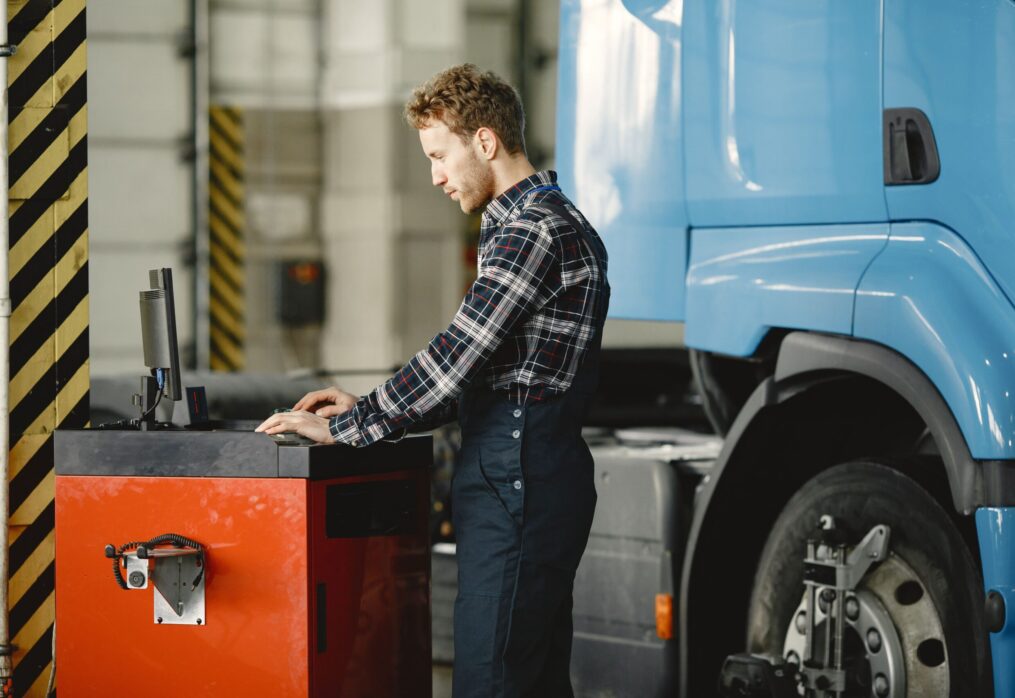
757,676
137,571
178,576
8,50
830,573
830,566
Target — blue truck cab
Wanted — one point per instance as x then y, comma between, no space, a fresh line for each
823,192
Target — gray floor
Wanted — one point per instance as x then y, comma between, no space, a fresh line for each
444,577
441,681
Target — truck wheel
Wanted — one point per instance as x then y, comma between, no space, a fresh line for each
929,587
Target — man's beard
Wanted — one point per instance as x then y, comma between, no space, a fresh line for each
477,185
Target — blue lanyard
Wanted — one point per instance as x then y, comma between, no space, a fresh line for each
546,187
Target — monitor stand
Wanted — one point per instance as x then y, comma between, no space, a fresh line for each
145,402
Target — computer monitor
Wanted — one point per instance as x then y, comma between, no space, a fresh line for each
158,332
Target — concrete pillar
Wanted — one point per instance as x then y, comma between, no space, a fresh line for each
334,172
265,61
140,178
391,241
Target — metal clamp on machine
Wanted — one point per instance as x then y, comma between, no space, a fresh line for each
177,572
757,676
834,602
834,606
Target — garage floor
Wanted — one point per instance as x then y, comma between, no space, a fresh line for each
441,681
444,587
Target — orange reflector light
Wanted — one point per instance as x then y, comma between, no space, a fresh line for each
664,616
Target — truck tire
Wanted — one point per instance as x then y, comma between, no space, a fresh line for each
930,584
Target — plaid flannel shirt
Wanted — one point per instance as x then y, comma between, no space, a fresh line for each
523,327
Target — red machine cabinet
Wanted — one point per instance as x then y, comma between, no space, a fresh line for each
317,565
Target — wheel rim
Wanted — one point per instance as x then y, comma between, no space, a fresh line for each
907,658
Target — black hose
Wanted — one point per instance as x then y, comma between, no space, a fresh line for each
117,574
174,538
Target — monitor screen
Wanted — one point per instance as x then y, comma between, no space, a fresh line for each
158,332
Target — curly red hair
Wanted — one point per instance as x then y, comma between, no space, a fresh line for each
466,99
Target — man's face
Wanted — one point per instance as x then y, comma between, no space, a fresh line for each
457,167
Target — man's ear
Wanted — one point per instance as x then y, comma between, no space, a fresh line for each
486,142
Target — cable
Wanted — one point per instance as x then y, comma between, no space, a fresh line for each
134,423
117,574
160,380
51,684
174,538
118,424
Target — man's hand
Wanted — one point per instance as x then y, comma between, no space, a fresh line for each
329,402
303,423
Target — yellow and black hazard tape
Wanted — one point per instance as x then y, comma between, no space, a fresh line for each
226,297
49,294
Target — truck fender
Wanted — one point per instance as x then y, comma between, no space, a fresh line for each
929,297
805,361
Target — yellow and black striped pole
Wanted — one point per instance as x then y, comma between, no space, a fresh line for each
226,297
49,294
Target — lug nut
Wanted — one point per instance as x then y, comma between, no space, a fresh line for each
881,685
801,622
852,608
874,641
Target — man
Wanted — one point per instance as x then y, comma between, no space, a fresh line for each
518,365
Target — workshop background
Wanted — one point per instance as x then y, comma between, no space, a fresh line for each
310,161
817,493
256,147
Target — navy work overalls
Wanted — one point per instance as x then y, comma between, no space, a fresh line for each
523,498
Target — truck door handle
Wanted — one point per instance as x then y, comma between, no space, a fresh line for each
910,151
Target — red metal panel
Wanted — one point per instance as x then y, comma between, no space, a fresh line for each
378,602
255,637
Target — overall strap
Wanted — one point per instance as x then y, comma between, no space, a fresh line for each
594,246
580,228
530,192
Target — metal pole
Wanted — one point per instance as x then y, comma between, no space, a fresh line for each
522,48
200,82
6,668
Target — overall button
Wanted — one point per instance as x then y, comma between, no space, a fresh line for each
518,484
517,413
515,434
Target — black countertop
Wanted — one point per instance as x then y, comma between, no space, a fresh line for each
226,453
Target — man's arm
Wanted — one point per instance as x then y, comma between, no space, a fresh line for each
510,287
437,418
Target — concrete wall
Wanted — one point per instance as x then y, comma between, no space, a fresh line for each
391,240
332,170
334,173
139,179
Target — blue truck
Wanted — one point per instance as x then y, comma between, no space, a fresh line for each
823,192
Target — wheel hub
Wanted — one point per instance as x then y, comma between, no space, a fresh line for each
891,642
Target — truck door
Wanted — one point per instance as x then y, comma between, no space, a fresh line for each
784,166
783,112
619,144
955,62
